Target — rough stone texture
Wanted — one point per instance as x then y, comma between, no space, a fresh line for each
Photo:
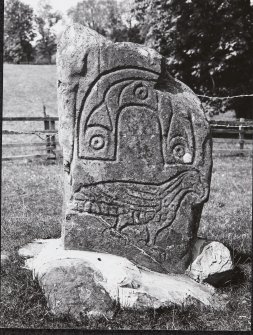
82,282
213,263
137,152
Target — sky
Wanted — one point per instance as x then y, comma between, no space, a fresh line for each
62,5
59,5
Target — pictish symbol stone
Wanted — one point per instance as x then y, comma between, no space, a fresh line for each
138,148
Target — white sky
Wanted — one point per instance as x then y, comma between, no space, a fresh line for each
62,5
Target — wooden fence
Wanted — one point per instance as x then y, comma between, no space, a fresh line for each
239,131
49,144
236,131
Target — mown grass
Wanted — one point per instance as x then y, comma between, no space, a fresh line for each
26,88
227,216
31,202
31,208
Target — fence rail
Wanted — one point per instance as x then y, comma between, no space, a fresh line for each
230,131
242,128
49,144
11,158
34,132
20,145
233,123
28,118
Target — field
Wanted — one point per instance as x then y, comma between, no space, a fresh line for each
31,208
26,88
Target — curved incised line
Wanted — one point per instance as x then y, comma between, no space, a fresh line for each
166,223
116,69
118,111
121,80
104,73
122,90
103,182
151,110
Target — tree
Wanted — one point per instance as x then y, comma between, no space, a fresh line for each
94,14
107,17
18,32
209,44
45,20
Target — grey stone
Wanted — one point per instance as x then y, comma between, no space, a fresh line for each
78,283
72,288
213,264
137,152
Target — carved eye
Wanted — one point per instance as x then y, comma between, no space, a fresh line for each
179,151
97,142
141,92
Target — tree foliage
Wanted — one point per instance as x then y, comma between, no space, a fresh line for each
209,44
18,32
107,17
45,20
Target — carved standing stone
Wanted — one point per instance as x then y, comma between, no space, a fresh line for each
137,152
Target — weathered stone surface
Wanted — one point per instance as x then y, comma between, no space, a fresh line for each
137,152
213,263
82,282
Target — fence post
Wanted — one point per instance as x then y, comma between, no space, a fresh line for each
47,127
241,133
53,140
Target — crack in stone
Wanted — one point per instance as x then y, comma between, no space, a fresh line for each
135,246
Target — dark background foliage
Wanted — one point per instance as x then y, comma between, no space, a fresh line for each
209,44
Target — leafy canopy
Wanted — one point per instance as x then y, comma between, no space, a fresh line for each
18,32
110,18
45,21
209,44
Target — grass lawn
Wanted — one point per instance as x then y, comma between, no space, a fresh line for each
31,208
26,88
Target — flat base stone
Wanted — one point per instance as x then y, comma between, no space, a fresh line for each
90,283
